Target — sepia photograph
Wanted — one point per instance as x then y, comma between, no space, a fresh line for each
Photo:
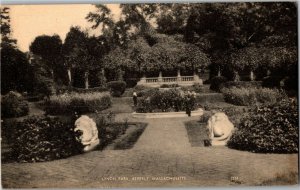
143,95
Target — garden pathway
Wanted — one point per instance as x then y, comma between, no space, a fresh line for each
162,150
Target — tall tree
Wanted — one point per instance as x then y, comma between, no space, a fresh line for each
49,48
6,39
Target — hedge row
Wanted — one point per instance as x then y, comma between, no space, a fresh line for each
77,102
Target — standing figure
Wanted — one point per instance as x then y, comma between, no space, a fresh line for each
134,96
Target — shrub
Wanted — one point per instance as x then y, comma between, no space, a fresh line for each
271,81
95,89
13,105
130,83
169,86
243,84
44,86
165,101
117,88
196,88
209,97
76,102
270,129
217,83
39,139
251,96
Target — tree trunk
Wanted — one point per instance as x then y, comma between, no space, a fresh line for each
86,78
252,76
70,76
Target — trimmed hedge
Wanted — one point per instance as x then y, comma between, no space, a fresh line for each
166,101
77,102
117,88
251,96
217,83
13,105
270,129
38,139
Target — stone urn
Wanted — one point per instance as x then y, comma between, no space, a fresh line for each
220,129
89,137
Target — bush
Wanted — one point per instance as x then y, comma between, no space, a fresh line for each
169,86
217,83
271,82
251,96
166,101
76,102
270,129
13,105
95,89
196,88
130,83
39,139
117,88
209,97
243,84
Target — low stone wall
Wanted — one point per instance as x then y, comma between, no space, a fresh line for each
197,112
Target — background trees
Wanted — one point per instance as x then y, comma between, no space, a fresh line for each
230,39
15,69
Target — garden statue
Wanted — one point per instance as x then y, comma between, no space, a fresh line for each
220,128
89,137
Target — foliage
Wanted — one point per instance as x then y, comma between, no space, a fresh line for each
243,84
251,96
69,103
166,101
6,40
209,97
38,139
196,88
271,81
169,85
117,88
13,105
16,72
49,48
268,129
217,83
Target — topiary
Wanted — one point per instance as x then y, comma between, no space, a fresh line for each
217,83
270,129
14,105
117,88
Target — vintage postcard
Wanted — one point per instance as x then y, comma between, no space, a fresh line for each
149,95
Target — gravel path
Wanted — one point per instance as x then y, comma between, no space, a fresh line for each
161,157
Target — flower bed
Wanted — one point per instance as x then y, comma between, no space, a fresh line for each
38,139
77,102
166,101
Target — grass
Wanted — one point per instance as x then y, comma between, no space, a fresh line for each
197,133
129,138
290,178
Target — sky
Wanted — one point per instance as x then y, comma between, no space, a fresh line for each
30,21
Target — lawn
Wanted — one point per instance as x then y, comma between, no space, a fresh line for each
197,133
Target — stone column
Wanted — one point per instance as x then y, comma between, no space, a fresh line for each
178,76
160,79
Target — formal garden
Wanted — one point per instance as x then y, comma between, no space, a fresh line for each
245,68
